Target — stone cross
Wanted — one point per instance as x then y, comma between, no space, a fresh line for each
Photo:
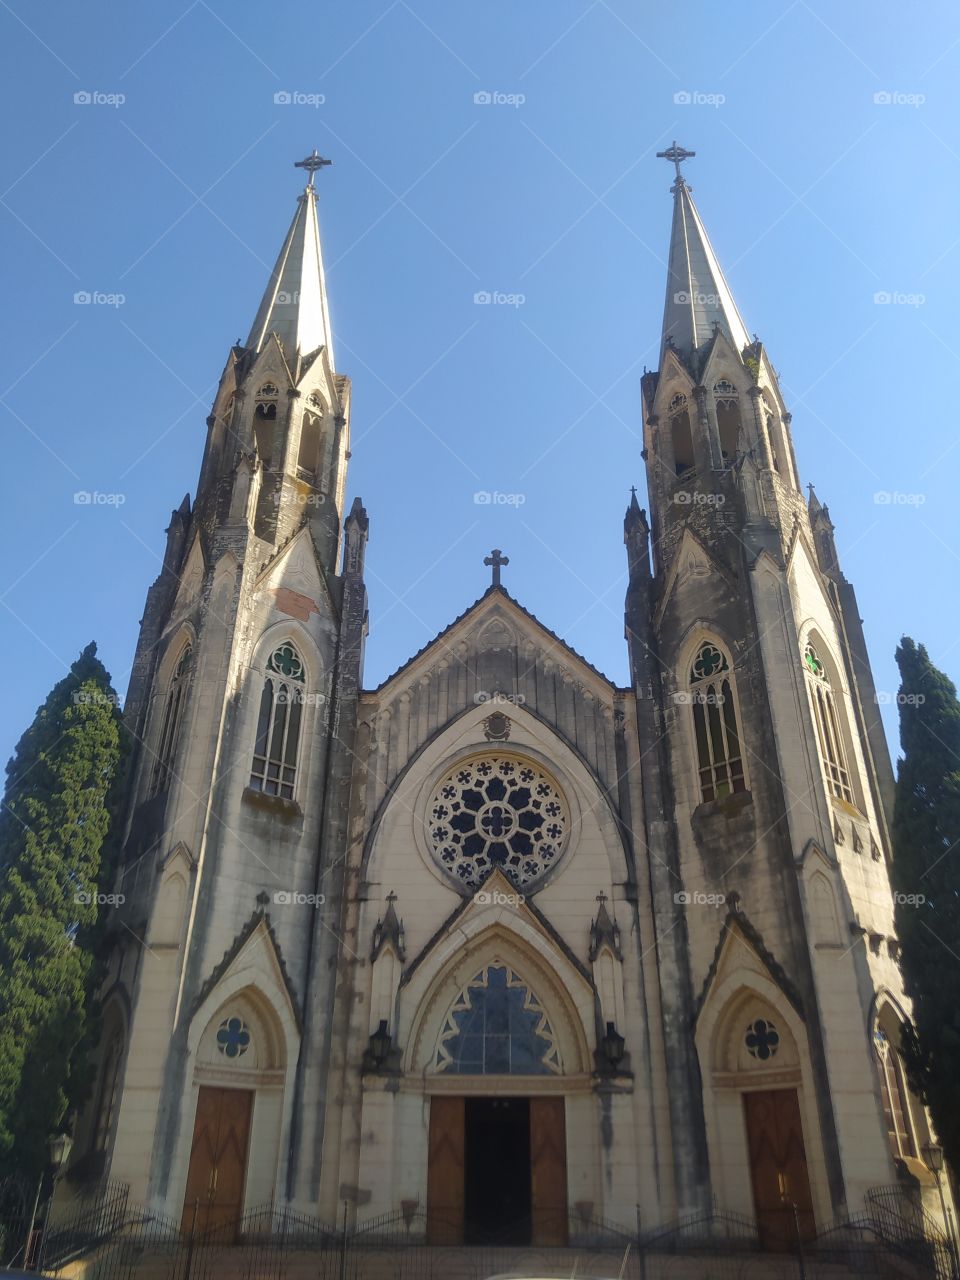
495,560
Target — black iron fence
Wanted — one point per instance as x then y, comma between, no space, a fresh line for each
18,1206
88,1221
120,1243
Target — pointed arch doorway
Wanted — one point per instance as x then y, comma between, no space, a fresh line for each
497,1151
218,1159
497,1170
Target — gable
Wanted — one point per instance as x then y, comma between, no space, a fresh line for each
295,581
496,623
693,561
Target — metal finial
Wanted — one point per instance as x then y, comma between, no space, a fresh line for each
676,155
312,163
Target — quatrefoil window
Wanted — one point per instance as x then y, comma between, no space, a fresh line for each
708,662
497,811
762,1039
233,1038
285,661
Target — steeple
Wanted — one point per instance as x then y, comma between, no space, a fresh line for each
294,305
698,297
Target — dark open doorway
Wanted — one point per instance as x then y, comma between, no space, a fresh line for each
497,1171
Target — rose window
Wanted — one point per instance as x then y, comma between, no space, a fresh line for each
497,811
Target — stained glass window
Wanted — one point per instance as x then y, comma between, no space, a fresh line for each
497,811
498,1027
716,733
829,736
233,1037
277,742
762,1039
893,1094
109,1091
168,741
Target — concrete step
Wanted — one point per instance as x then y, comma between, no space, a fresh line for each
422,1262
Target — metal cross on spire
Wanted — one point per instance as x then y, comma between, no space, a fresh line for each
676,155
495,560
313,162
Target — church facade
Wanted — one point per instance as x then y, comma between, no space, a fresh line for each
498,941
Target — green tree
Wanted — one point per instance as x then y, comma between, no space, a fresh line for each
926,876
63,790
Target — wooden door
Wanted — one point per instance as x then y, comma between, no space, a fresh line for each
778,1168
218,1159
548,1171
445,1171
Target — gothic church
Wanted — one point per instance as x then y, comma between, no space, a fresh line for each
497,941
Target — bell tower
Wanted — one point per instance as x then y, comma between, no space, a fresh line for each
243,704
767,782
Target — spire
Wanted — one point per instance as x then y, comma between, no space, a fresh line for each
294,306
698,297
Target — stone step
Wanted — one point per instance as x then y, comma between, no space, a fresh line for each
459,1263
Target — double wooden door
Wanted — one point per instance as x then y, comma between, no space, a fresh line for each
218,1160
543,1150
778,1168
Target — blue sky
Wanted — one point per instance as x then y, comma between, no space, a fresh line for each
826,171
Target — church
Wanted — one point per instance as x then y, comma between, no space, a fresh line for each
498,942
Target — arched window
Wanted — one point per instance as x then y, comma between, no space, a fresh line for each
717,737
680,435
497,1027
278,725
728,420
267,402
170,725
893,1092
109,1092
774,442
829,737
308,458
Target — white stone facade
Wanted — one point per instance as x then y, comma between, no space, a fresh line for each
682,911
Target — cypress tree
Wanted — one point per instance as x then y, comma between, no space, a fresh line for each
63,789
926,876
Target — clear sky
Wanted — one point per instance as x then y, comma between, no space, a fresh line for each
826,172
